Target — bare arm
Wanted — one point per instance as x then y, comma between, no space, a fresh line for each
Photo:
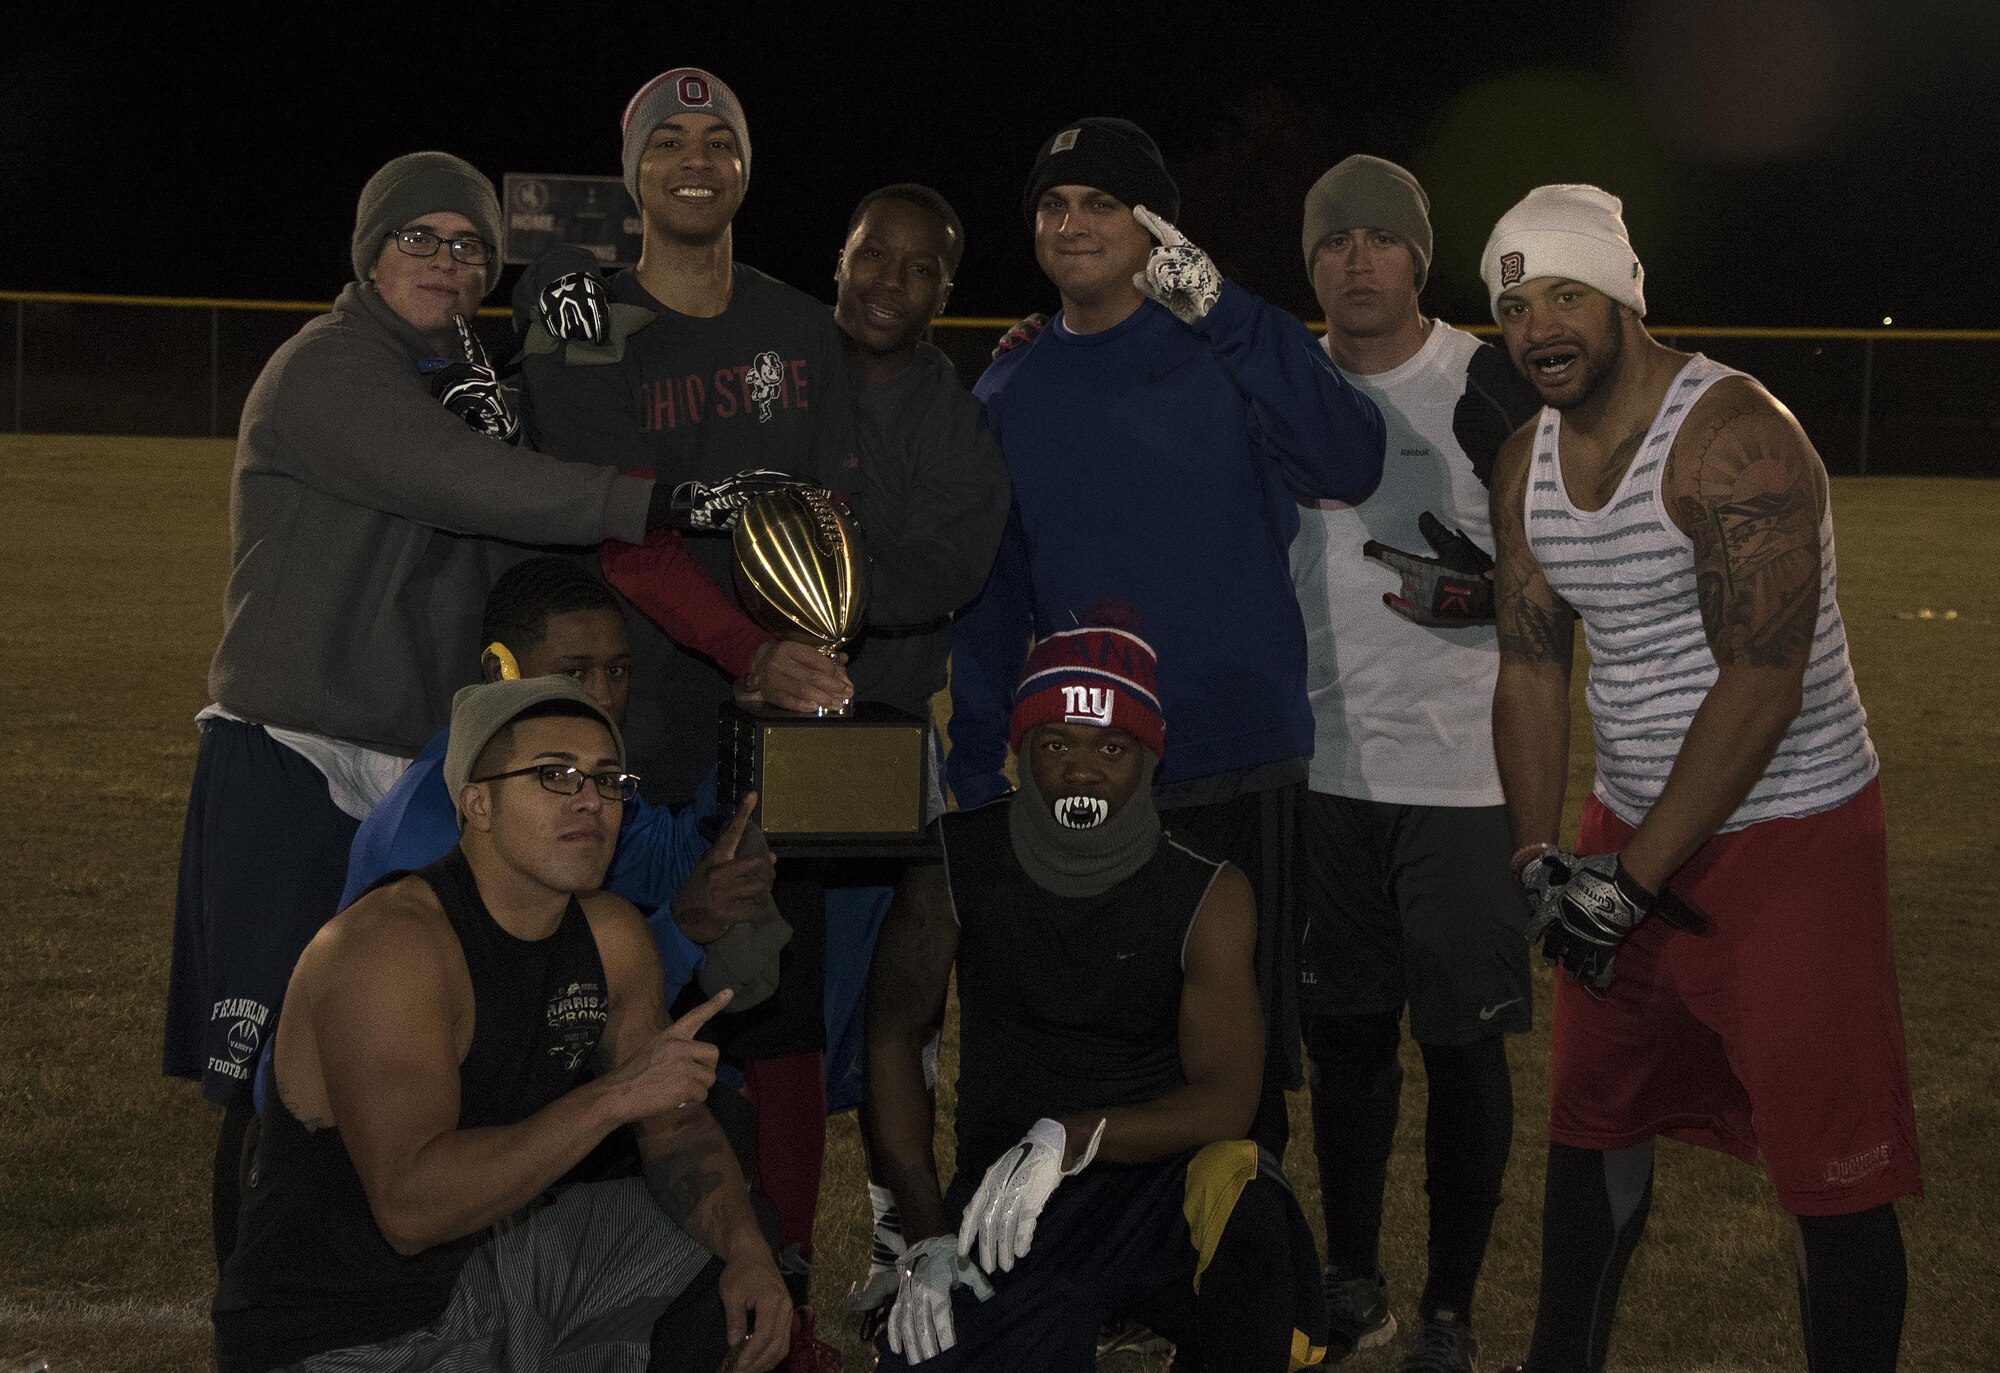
1221,1043
383,1002
1745,484
1537,633
906,991
688,1165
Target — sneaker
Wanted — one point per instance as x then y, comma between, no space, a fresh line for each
1444,1344
1125,1343
1357,1314
870,1297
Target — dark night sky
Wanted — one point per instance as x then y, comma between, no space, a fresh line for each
1813,162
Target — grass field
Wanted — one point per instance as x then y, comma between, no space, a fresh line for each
112,566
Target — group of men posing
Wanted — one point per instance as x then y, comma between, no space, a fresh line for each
452,859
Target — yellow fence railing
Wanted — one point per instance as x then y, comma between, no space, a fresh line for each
217,307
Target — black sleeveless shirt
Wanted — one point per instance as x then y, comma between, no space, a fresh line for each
311,1271
1065,1004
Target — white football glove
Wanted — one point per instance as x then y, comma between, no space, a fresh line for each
1001,1216
920,1325
1178,275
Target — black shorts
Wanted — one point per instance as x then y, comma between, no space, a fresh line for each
1116,1240
1412,904
263,862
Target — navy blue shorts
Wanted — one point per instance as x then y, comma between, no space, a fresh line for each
1116,1240
263,861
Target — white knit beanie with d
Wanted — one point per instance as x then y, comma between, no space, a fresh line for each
1575,232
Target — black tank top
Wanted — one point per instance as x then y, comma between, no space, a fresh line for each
1065,1004
311,1271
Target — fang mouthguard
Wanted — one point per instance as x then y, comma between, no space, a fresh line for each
1081,812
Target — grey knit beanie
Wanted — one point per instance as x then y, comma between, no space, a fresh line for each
680,91
419,184
1366,192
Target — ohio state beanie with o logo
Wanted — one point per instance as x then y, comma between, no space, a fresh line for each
682,90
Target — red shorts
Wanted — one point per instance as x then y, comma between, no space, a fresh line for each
1778,1032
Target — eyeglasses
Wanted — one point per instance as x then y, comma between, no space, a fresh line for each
473,252
564,780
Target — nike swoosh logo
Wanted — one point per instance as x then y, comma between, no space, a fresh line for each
1123,956
1155,378
1489,1012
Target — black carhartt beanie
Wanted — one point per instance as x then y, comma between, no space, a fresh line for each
1112,155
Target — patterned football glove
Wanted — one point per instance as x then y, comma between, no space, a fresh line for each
705,508
1585,908
1024,332
1450,591
1178,274
470,389
920,1324
1001,1216
576,307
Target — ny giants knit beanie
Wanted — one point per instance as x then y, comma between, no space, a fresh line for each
1112,155
684,90
419,184
1366,192
1573,232
1091,676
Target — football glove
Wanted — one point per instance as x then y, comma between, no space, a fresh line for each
1178,274
705,508
470,389
1000,1218
1585,908
920,1325
1450,591
1022,334
572,298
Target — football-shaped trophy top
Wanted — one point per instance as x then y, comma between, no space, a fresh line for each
801,567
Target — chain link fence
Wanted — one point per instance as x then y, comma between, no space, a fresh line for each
1914,402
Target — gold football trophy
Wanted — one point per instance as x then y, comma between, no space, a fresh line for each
845,784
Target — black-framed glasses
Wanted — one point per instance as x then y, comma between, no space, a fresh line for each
473,252
564,780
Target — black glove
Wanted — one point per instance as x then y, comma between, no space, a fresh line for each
1450,591
702,508
1585,907
470,389
575,302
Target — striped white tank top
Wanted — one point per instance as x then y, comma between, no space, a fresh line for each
1628,571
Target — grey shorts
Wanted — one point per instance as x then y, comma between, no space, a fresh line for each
1412,904
573,1288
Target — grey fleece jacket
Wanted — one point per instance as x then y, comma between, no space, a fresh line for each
367,523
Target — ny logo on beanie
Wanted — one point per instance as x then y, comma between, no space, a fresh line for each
1088,705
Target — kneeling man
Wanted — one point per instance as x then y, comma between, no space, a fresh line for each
451,1047
1111,1050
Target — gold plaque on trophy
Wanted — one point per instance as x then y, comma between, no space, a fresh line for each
845,784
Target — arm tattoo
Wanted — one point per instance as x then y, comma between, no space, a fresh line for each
1753,514
1533,624
1535,632
685,1176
